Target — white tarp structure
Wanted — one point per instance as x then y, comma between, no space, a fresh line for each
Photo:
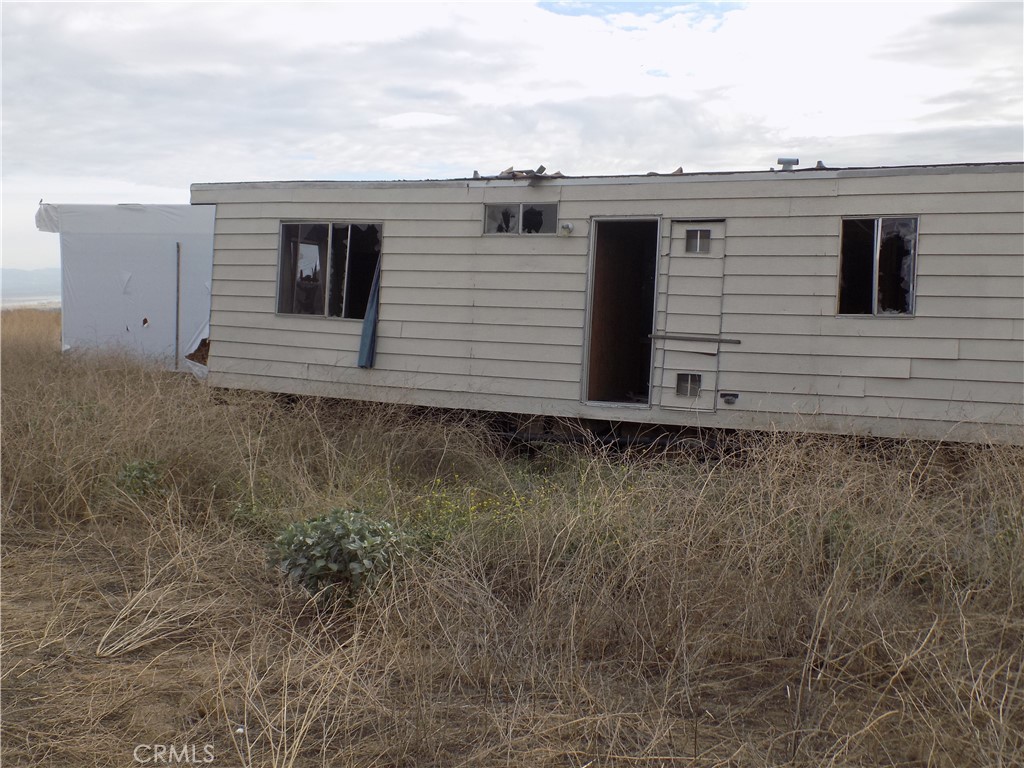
134,277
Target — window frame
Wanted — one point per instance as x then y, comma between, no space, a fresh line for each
331,225
701,240
877,221
519,219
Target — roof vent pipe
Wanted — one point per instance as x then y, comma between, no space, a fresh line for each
788,163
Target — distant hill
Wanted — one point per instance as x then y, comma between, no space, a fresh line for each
17,283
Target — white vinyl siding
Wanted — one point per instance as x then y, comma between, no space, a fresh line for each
498,323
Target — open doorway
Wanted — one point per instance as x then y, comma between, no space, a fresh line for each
622,311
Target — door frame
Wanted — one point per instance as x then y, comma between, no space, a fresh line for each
595,221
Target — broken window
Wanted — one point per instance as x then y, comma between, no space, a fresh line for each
521,218
327,268
877,266
698,241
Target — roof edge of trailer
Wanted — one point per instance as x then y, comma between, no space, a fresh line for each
533,179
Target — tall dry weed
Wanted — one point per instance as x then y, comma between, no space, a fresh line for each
794,600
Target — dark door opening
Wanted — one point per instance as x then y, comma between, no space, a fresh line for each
622,311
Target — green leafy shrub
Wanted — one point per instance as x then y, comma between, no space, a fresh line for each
139,478
339,552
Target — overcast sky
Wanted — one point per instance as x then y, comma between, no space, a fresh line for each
133,102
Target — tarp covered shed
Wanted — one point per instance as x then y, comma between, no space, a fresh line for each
134,277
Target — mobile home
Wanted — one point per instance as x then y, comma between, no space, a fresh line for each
872,301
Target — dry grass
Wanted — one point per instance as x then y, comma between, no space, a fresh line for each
800,601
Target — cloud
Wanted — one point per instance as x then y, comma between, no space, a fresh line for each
161,95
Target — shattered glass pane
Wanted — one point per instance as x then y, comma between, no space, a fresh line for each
501,219
540,219
896,265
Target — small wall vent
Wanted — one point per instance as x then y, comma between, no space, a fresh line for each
688,384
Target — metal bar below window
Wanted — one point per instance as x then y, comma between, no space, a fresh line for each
692,337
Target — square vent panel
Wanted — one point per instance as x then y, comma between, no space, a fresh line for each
688,384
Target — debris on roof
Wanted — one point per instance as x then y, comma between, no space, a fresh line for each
512,173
